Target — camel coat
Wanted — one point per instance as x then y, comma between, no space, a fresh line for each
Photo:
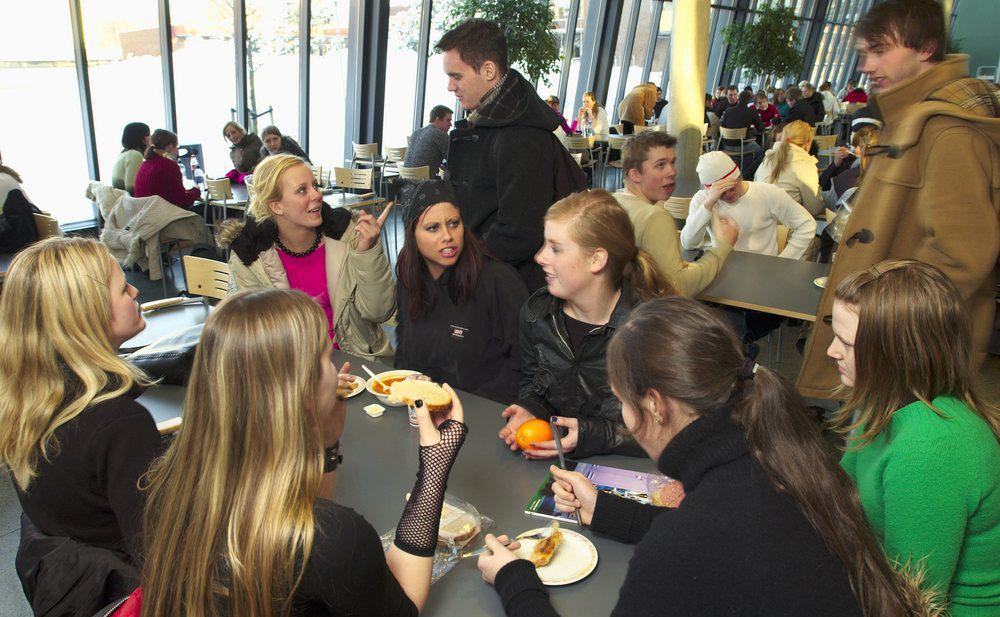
932,194
638,104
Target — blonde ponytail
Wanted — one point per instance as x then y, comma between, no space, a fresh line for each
796,132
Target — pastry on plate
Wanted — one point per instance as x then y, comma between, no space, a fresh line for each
546,548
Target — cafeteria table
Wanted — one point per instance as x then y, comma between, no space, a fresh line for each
330,195
380,463
767,284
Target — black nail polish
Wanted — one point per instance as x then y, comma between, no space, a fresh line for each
418,403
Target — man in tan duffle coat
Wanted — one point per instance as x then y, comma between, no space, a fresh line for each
932,192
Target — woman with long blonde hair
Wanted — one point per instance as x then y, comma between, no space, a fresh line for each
71,433
922,443
239,519
595,274
291,239
789,165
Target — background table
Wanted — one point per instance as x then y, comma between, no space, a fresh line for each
330,195
768,284
380,463
167,320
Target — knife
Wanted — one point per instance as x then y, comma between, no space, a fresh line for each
557,437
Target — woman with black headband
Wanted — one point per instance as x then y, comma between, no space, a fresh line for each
458,305
769,524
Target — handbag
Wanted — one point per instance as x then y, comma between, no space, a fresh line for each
170,357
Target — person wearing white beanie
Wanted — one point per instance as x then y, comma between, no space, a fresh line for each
756,207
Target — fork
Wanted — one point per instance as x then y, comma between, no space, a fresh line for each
538,535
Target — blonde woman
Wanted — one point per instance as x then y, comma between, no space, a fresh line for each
594,274
291,239
239,518
593,114
923,445
72,436
789,165
245,149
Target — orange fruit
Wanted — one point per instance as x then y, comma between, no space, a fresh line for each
532,431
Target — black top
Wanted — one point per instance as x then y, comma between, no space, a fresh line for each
346,573
816,102
87,490
803,111
721,106
741,116
576,330
735,545
472,347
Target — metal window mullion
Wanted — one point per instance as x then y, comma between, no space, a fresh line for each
837,61
167,65
423,50
627,56
845,52
826,35
305,64
570,41
654,35
83,86
599,41
240,50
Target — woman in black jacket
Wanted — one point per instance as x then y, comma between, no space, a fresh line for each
276,143
72,435
594,276
458,306
769,525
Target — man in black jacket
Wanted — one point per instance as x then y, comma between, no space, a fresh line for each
814,98
731,98
799,109
502,157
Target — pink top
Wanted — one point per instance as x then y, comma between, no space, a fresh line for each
308,275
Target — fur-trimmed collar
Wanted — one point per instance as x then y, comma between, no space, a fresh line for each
249,237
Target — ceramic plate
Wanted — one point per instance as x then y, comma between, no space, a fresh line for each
358,386
820,282
575,559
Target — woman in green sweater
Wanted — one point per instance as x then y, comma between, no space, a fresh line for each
922,446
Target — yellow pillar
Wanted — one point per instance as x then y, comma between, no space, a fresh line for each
947,6
686,91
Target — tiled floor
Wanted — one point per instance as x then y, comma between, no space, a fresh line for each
12,602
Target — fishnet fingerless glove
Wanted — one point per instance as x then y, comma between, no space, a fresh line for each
417,531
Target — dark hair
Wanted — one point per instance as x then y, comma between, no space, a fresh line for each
825,86
440,111
915,24
552,99
270,130
734,88
413,275
689,352
745,97
477,41
793,94
162,138
636,150
134,136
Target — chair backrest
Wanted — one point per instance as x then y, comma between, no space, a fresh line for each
355,179
414,173
47,226
206,277
248,182
317,173
366,151
617,142
733,133
219,189
825,142
395,155
576,142
782,237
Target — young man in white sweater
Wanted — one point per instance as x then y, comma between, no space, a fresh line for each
756,207
648,166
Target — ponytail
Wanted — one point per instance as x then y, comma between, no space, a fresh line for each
688,352
779,160
159,141
795,132
645,278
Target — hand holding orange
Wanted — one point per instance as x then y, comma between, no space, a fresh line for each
532,431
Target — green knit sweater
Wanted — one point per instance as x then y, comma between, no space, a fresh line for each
930,487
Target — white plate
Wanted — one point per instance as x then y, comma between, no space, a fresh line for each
383,398
820,282
359,386
574,560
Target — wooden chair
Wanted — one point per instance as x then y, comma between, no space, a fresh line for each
414,173
395,155
615,143
825,143
365,154
46,226
582,150
219,192
392,159
353,179
734,135
317,173
207,278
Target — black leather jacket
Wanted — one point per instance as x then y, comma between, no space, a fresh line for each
555,382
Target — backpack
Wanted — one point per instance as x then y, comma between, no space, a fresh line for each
567,176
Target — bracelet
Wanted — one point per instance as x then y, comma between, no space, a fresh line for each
332,458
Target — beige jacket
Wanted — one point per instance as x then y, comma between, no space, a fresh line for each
932,193
638,104
656,233
361,288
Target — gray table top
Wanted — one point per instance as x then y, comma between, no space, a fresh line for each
380,462
768,284
164,321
